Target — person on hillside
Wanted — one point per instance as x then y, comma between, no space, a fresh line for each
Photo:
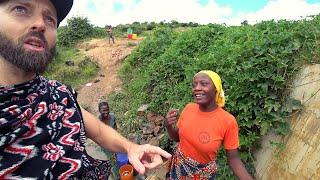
109,119
201,129
106,116
43,128
110,33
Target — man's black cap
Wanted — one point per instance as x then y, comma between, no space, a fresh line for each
63,7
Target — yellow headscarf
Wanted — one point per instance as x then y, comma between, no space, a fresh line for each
220,99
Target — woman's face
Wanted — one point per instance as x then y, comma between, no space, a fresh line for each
204,91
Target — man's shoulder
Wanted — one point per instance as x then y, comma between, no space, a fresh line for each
55,85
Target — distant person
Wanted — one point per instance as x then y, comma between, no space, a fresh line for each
106,116
110,33
202,128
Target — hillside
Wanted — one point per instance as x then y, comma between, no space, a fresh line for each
257,64
109,58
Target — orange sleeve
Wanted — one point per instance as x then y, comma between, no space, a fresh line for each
231,138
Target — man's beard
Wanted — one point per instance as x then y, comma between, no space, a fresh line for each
28,61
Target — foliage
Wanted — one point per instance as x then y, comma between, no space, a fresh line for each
143,28
78,28
83,68
255,62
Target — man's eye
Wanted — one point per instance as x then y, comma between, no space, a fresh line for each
50,20
20,9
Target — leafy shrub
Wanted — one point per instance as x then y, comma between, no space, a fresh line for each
256,64
99,32
78,28
84,68
143,28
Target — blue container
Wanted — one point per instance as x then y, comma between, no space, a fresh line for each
122,159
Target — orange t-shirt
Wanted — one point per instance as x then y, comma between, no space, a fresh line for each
201,133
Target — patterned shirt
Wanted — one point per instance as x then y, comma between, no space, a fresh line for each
42,134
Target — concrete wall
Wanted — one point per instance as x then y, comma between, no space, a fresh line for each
300,158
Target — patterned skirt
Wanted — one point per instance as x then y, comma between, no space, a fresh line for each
182,167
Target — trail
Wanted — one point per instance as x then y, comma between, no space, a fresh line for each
109,57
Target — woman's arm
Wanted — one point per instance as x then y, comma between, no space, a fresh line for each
237,166
173,133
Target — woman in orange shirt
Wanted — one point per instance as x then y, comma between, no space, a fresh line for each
201,129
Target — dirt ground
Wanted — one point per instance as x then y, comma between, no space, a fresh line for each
109,57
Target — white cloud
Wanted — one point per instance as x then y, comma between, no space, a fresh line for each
187,11
150,10
278,9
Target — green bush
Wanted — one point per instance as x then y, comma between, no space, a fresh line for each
142,29
256,63
78,28
99,32
83,70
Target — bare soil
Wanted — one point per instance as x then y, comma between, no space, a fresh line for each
109,57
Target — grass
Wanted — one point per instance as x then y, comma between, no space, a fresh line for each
81,72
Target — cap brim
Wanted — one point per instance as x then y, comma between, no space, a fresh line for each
63,7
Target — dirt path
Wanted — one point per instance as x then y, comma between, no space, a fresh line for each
109,57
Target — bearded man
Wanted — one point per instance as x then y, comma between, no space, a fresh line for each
43,128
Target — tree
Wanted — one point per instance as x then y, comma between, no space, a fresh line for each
78,28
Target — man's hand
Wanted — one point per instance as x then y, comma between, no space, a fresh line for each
140,156
146,156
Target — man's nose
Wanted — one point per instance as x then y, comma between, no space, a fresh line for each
38,24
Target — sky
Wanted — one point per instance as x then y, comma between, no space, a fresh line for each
230,12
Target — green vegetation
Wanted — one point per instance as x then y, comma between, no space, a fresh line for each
256,64
78,29
75,75
145,28
82,68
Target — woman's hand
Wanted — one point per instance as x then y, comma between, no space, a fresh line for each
171,117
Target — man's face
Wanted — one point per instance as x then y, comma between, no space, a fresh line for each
28,32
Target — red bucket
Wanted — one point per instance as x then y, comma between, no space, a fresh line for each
129,36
